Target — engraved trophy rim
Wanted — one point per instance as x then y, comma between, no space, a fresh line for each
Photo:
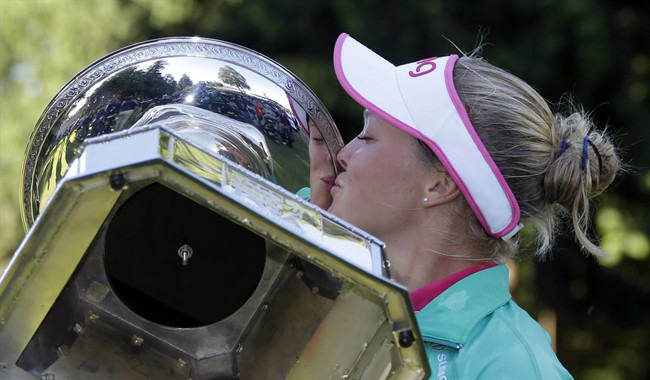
161,48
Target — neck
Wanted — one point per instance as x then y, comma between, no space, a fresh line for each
418,259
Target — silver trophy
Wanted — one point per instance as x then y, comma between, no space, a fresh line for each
166,240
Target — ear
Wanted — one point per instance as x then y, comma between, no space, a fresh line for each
439,189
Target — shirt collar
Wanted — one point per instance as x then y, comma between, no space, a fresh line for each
453,314
422,296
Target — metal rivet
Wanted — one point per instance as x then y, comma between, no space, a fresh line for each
78,329
117,181
137,340
93,317
406,338
185,252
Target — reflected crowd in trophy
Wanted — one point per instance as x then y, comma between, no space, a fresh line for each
227,98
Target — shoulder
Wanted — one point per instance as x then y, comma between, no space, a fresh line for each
304,193
512,345
475,330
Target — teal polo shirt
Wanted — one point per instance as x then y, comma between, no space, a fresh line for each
474,330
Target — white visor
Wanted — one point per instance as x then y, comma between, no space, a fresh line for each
420,99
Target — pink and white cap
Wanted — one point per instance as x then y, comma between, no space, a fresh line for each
420,99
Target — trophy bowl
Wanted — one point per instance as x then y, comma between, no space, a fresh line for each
166,237
266,107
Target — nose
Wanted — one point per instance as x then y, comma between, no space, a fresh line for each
343,156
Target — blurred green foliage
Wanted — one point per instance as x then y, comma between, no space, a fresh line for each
598,51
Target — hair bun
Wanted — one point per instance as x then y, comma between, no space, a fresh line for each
585,165
586,162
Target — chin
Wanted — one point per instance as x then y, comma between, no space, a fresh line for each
333,209
338,211
322,202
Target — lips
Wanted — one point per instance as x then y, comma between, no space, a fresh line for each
335,185
329,181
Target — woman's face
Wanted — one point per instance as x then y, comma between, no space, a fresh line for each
321,168
382,185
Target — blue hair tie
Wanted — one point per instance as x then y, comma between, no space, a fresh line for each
563,146
585,147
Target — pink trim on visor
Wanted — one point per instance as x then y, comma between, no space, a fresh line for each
411,97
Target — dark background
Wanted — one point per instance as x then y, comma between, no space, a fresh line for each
596,51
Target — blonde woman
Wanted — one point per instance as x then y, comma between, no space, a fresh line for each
454,157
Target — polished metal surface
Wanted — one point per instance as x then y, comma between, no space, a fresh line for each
270,105
166,240
97,289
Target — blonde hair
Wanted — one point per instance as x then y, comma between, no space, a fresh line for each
539,153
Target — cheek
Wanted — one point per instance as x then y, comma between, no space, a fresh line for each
318,156
370,181
399,178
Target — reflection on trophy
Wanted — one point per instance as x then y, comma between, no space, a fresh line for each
166,240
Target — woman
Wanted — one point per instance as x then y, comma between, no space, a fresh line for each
454,155
321,170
